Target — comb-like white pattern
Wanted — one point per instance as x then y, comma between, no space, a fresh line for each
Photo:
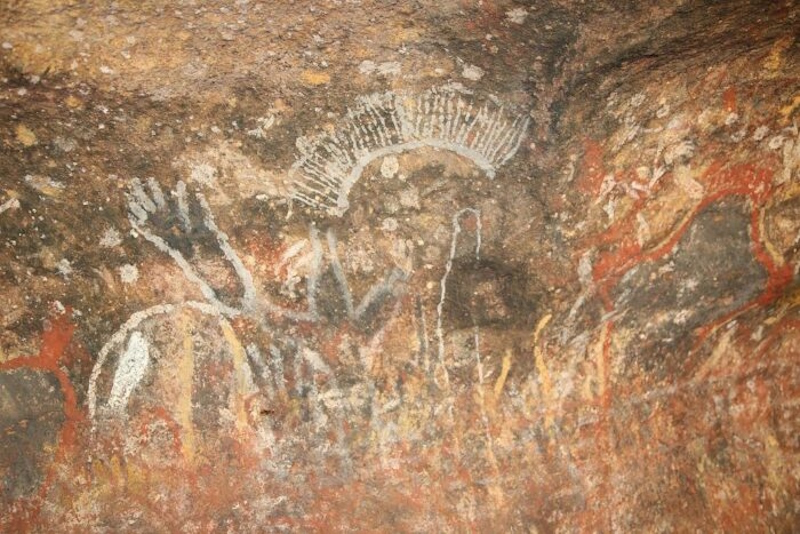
391,123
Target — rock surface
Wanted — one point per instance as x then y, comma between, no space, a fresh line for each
399,266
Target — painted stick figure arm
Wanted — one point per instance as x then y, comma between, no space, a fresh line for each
176,225
338,273
375,296
245,279
379,294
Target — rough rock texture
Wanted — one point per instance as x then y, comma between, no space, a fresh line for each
448,266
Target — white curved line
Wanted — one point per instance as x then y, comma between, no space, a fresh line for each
127,327
329,165
476,157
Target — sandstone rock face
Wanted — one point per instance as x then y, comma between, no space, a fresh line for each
492,266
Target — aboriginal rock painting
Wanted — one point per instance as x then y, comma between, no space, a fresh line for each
155,369
480,302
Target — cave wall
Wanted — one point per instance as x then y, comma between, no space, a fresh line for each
399,266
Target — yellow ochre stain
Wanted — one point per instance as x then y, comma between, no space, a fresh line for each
722,351
501,380
541,369
685,220
775,59
100,473
25,135
239,374
790,107
770,247
73,102
185,379
116,472
785,304
315,77
137,478
776,466
600,355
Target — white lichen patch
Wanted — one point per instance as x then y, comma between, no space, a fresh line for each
263,125
517,15
389,224
389,167
64,268
44,185
110,238
128,273
680,151
409,197
473,73
387,68
204,174
233,172
760,133
10,204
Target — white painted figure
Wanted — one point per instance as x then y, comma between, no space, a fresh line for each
380,126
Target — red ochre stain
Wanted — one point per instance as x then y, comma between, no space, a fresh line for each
488,19
55,340
745,180
592,168
729,99
159,414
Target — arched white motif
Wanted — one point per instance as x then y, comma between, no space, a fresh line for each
392,123
128,329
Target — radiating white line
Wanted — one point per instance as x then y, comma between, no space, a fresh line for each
381,124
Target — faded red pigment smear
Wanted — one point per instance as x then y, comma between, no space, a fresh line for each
746,180
55,339
160,414
592,168
729,99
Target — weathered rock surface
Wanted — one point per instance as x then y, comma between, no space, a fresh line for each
399,266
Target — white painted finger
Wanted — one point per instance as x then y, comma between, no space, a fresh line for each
183,205
156,193
137,214
138,192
